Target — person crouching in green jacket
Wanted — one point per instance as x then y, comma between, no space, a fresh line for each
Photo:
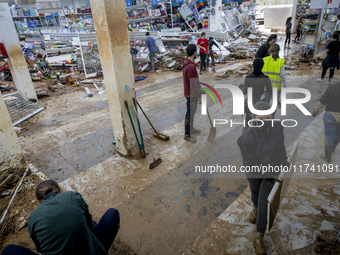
62,224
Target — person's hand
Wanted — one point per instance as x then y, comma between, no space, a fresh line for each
199,101
315,112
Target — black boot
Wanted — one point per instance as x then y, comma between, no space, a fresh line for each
328,154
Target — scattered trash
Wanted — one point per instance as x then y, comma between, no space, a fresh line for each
140,78
82,97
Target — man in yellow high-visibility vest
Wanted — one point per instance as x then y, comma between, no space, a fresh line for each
274,68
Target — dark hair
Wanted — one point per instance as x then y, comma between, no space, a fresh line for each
147,33
338,16
210,38
39,56
271,37
203,33
261,106
274,51
335,36
288,20
191,49
46,187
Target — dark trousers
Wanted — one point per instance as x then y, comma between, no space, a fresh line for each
260,189
287,38
332,130
203,57
105,231
324,70
298,34
189,116
211,54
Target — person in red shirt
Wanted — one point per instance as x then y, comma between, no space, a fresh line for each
203,44
191,92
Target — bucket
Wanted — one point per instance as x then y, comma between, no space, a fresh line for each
328,34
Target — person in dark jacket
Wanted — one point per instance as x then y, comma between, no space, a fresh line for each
331,119
191,92
63,225
211,43
288,31
332,59
259,82
262,145
263,50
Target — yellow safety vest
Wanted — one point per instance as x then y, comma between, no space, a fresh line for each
272,69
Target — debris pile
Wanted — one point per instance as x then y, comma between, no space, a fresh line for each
17,186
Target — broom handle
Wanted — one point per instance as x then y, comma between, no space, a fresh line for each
209,117
135,100
127,88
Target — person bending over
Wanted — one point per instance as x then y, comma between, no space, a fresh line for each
263,50
63,225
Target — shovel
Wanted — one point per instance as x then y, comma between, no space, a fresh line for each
212,132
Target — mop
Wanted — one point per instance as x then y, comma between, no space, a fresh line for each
155,162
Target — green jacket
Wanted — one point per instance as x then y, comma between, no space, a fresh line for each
63,225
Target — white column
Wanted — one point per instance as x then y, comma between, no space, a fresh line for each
215,20
295,2
10,150
114,48
17,63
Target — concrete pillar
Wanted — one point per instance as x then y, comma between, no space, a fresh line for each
10,150
17,63
294,24
114,48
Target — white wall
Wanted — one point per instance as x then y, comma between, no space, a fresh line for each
275,16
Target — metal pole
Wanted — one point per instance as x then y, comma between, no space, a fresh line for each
172,19
12,199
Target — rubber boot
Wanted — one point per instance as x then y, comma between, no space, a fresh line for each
253,215
259,245
328,154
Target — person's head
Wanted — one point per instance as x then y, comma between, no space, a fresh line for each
338,17
274,51
191,50
203,35
147,34
271,39
44,188
210,38
288,20
262,106
335,36
258,65
39,56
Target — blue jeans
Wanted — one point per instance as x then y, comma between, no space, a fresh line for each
189,116
105,231
260,189
332,130
152,60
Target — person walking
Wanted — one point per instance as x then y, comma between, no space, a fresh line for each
191,92
298,31
211,43
62,224
262,145
331,119
337,26
288,31
151,45
263,50
203,44
274,68
332,59
259,82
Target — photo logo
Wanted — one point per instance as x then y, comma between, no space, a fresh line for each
239,98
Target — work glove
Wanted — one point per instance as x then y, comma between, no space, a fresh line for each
315,112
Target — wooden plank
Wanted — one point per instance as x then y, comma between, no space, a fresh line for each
279,189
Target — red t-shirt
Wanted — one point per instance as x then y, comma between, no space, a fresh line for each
204,43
